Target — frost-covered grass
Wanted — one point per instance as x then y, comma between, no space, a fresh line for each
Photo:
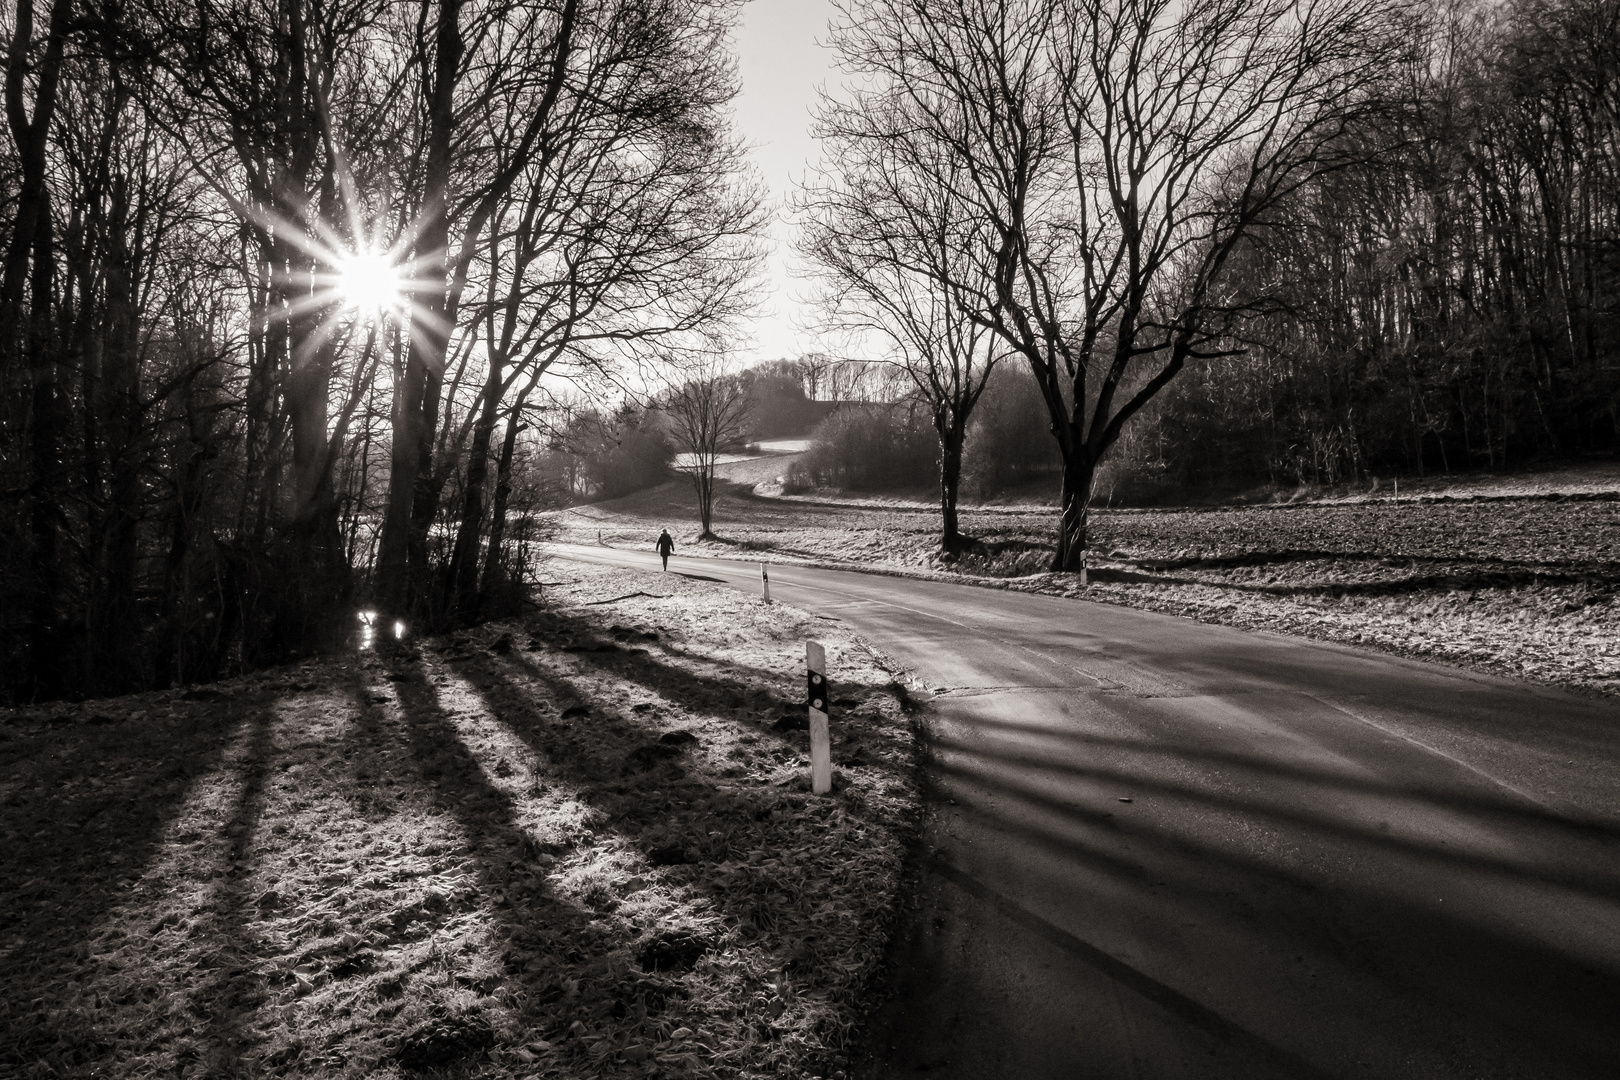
582,845
1512,576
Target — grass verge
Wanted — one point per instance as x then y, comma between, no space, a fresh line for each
582,845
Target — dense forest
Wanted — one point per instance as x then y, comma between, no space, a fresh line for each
1232,243
1449,302
288,285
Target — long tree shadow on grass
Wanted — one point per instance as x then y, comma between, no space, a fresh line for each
676,817
565,974
749,698
622,747
227,991
97,803
537,922
698,823
763,693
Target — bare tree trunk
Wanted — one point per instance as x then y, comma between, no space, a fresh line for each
1075,502
262,352
30,137
175,660
314,509
705,494
503,492
416,402
430,483
112,658
47,660
25,332
950,480
321,574
393,556
464,560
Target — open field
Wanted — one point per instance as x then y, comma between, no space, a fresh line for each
1516,575
579,845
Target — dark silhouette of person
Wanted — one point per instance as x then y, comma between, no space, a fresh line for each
665,545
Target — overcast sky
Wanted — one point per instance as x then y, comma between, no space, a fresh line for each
781,62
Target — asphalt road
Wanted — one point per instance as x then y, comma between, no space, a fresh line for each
1164,849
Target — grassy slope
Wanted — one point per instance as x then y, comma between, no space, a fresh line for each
1517,575
582,846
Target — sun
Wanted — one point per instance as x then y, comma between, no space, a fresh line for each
370,283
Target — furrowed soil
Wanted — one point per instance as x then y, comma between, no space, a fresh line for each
577,845
1519,576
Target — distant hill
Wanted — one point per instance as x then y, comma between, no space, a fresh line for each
780,409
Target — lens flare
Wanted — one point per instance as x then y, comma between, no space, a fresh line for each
370,283
368,629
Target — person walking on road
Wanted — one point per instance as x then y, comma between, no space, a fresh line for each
665,545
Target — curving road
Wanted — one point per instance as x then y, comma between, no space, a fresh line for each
1163,849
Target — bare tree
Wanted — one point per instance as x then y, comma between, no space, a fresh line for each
891,246
621,231
267,99
1120,152
598,207
520,78
710,411
27,283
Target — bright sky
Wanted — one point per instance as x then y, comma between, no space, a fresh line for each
781,63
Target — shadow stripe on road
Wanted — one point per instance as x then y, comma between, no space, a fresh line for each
1166,997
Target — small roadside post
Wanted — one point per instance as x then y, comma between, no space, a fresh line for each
765,580
815,662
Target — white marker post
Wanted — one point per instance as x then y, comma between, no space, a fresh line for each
765,580
815,660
